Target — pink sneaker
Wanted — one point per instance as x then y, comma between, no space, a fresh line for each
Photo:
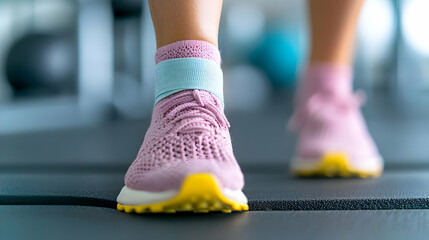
333,138
186,162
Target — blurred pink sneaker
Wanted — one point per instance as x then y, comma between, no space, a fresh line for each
186,162
333,139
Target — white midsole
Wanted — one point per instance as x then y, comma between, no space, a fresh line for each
132,197
371,164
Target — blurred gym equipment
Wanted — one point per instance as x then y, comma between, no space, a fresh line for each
41,62
253,80
277,55
127,8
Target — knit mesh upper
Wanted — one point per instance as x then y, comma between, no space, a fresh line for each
188,134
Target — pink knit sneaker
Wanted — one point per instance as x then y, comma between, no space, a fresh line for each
187,144
333,138
186,162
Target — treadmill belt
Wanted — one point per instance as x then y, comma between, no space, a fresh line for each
80,222
268,189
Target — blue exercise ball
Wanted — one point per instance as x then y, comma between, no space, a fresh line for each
277,56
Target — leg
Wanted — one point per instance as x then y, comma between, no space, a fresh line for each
333,24
333,139
185,20
186,161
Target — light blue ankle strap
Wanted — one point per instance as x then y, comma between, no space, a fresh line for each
180,74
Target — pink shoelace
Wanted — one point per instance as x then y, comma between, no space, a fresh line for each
194,115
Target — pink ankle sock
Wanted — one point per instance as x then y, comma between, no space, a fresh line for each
325,77
188,49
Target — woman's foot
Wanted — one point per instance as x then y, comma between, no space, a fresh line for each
333,139
186,162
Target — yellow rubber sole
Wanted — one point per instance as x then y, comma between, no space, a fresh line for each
335,165
199,193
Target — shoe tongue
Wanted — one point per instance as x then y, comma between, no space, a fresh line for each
203,98
184,103
211,103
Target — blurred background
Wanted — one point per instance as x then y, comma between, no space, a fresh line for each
77,78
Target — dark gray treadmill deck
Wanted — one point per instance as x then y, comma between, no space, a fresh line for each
266,188
62,184
77,222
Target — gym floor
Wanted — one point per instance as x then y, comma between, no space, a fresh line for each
62,184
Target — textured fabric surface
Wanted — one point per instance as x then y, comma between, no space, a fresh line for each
179,74
188,133
188,49
327,115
